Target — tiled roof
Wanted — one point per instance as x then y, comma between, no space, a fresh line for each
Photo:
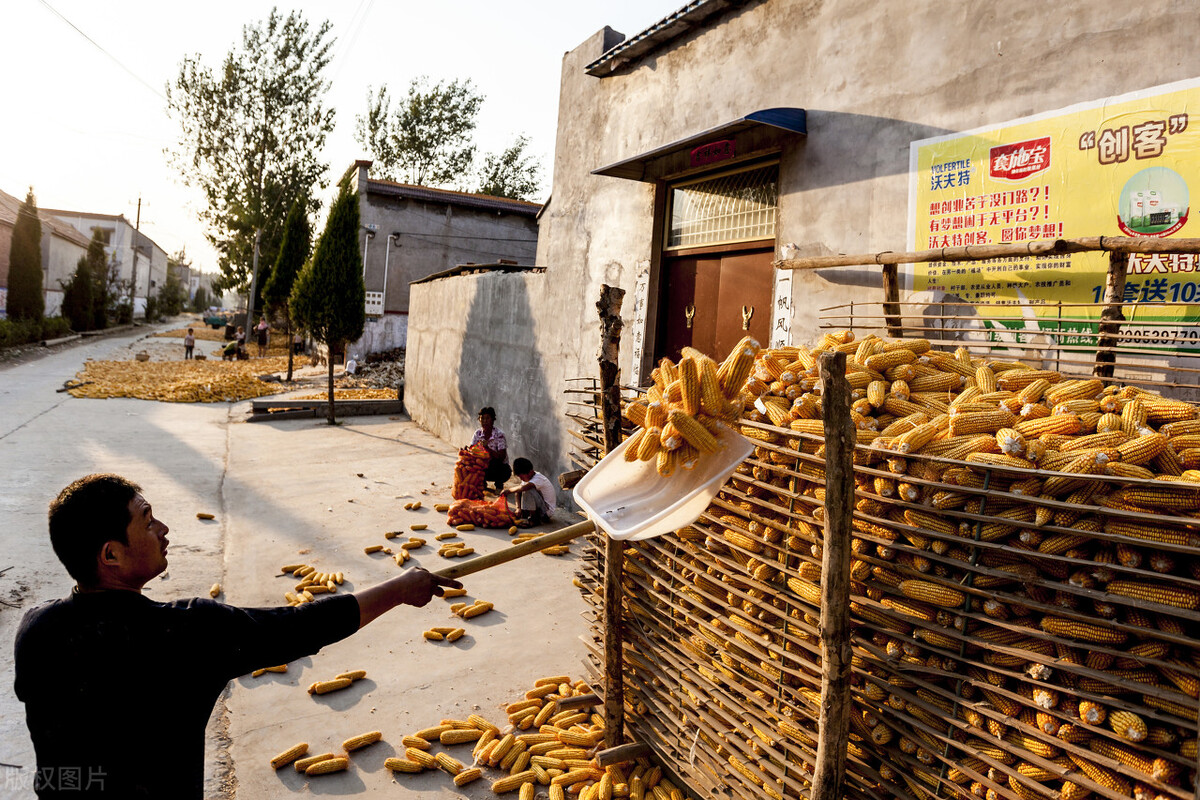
467,199
679,23
10,206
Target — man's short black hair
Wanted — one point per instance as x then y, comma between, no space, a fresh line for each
491,412
521,466
91,511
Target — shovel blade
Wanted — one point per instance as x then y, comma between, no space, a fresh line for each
629,500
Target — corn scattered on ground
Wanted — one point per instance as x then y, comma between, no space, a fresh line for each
202,332
351,394
212,381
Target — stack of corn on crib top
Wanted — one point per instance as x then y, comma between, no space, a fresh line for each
1025,584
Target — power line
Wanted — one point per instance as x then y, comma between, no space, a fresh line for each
457,236
95,44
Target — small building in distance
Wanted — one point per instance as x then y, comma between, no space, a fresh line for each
145,264
410,232
62,247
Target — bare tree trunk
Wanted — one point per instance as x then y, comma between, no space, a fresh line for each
329,362
287,327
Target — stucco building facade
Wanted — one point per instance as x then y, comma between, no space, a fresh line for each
62,247
409,232
692,101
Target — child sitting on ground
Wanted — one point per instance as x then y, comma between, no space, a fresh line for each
535,497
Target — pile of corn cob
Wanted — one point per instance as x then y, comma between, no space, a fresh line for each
312,583
1025,583
179,381
559,755
688,405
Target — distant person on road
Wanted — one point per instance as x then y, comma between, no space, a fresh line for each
117,687
189,344
262,332
535,497
491,437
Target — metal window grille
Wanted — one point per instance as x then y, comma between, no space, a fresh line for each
729,208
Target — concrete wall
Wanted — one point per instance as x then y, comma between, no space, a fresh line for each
873,77
59,258
479,340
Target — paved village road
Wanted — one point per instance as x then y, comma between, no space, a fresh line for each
282,492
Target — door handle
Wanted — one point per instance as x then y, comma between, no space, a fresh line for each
747,313
689,313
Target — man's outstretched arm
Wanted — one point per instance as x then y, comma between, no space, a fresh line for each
413,587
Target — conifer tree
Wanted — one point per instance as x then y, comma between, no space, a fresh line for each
293,252
329,298
25,299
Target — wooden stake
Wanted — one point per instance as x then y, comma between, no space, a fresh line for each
1111,315
891,300
834,719
609,307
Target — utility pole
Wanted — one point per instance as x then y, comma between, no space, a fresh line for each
133,276
253,281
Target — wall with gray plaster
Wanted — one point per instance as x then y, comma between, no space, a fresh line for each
872,76
482,340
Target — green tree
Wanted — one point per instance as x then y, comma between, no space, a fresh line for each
329,298
98,271
172,295
428,138
513,172
251,134
25,298
200,301
79,304
293,252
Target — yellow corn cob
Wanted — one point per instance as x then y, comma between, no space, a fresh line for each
336,764
402,765
289,755
375,548
362,740
1144,530
1160,410
1068,424
930,592
460,736
304,763
512,782
447,763
736,367
1163,594
1085,631
979,422
324,687
695,433
689,386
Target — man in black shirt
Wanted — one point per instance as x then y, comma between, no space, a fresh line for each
117,687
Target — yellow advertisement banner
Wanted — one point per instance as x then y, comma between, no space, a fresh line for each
1117,167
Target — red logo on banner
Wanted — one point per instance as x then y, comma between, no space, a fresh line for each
1016,162
711,152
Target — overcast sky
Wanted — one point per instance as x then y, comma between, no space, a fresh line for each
88,135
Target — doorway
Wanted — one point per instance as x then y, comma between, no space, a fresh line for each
716,278
711,300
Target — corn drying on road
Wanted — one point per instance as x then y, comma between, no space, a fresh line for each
282,493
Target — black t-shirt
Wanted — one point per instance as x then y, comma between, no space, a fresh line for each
118,688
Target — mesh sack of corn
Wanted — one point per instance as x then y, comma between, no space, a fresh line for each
178,381
495,514
1025,584
469,473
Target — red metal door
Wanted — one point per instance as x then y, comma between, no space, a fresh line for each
715,286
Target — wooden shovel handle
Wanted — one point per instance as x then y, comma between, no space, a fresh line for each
514,552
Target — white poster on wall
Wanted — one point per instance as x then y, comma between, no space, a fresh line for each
637,339
781,309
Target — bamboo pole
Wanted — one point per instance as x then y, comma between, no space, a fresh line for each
1047,247
1111,316
834,721
609,307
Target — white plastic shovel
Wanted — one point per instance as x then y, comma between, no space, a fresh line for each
630,500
